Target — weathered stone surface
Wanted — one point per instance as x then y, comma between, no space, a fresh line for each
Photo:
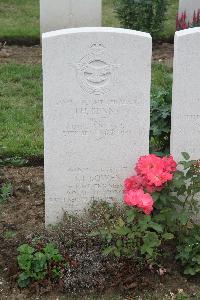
185,134
96,114
61,14
188,6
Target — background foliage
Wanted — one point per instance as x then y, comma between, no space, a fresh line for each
143,15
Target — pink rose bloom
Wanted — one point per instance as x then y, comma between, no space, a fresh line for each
153,172
169,164
147,163
158,177
140,199
130,198
133,183
150,188
146,203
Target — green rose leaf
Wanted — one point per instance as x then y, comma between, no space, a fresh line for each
168,236
185,155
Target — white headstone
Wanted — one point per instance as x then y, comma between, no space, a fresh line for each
188,6
185,136
61,14
96,114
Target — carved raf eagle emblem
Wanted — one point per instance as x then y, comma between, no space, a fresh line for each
96,72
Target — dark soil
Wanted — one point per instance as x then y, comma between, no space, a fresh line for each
89,271
22,215
32,55
163,53
21,54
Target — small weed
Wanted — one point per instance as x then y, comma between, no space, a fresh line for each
9,234
13,161
39,263
5,192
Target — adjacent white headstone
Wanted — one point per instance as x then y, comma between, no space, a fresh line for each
185,136
61,14
96,114
188,6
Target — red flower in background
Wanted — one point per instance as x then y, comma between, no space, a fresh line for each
182,23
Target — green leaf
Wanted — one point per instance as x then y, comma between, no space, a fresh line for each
121,222
151,240
122,231
108,250
117,252
119,243
39,275
146,249
52,252
25,261
185,155
189,271
23,280
26,249
183,217
5,192
168,236
156,196
39,262
130,215
157,227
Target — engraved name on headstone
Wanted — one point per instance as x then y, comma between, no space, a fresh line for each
96,114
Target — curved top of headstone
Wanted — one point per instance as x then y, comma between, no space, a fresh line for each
183,41
187,31
57,33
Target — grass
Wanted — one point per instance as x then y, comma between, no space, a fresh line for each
21,110
21,125
161,77
109,17
19,19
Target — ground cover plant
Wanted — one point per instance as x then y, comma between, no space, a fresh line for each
19,19
40,263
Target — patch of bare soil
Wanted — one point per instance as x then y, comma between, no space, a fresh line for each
162,53
20,54
22,215
25,210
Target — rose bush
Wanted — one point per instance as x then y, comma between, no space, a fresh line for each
160,205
